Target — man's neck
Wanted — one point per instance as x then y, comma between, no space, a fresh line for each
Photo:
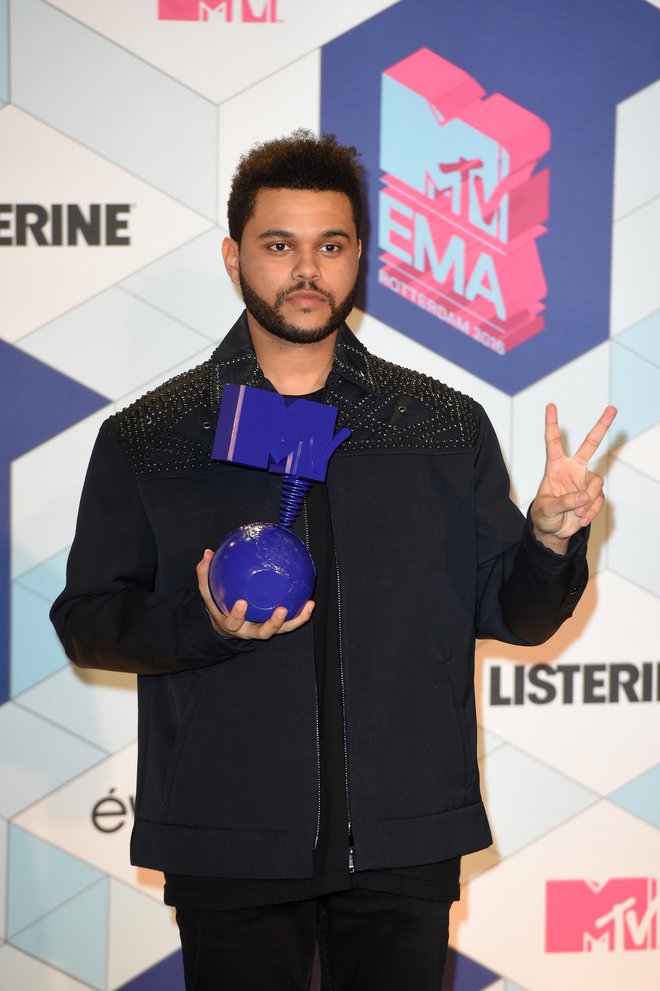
293,369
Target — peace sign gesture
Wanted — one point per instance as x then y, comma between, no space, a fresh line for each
569,496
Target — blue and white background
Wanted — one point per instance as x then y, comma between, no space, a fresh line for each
105,103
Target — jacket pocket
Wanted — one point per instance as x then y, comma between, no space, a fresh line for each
425,770
180,740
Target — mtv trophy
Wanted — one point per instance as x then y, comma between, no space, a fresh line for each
265,563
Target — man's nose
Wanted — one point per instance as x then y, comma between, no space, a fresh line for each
306,265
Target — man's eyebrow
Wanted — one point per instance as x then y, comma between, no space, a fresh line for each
333,232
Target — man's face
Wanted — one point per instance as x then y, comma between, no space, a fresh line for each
297,262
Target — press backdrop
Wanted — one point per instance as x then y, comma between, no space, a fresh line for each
512,152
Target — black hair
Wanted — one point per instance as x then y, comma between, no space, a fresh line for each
300,160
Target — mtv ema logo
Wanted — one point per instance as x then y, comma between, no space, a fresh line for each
461,207
240,11
582,916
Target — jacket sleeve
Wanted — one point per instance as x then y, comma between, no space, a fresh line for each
525,590
109,615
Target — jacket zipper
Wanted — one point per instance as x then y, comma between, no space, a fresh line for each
316,706
351,842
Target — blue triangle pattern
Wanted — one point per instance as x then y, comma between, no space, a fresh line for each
167,975
634,377
36,652
25,424
641,796
464,974
73,937
644,338
47,579
41,877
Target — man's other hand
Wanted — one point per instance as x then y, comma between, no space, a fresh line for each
569,496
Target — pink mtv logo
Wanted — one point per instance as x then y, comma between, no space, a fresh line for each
462,205
583,916
241,11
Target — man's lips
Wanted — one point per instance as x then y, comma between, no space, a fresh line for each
305,298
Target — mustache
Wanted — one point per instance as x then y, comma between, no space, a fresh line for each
304,287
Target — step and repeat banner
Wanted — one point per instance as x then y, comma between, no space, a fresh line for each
512,159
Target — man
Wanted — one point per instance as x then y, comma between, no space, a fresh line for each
315,775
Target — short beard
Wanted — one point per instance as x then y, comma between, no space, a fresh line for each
271,319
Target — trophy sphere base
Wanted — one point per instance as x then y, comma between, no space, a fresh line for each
265,564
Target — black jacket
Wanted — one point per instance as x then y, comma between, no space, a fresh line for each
431,554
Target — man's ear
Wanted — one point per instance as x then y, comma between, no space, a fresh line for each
230,256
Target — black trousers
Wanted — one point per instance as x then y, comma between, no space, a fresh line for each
368,941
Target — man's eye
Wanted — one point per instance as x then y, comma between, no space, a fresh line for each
278,246
330,249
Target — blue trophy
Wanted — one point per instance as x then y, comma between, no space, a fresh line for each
265,563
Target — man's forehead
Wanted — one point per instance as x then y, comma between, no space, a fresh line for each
284,208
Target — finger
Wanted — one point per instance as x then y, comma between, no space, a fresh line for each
202,570
278,623
593,511
205,563
552,507
553,445
593,490
303,616
232,621
271,626
594,487
593,439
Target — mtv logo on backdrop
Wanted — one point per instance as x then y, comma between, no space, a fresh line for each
461,206
238,11
583,916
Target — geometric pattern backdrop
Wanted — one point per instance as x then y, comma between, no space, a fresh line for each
120,126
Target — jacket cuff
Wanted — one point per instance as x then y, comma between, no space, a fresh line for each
202,636
577,544
572,565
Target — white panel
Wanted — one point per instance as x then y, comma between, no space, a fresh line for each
267,111
643,453
191,285
4,831
635,266
634,546
114,103
637,155
113,343
21,972
46,485
41,166
99,706
141,934
36,757
219,58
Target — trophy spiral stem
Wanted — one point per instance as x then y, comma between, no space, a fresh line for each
294,490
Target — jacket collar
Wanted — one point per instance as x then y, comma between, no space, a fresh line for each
352,361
